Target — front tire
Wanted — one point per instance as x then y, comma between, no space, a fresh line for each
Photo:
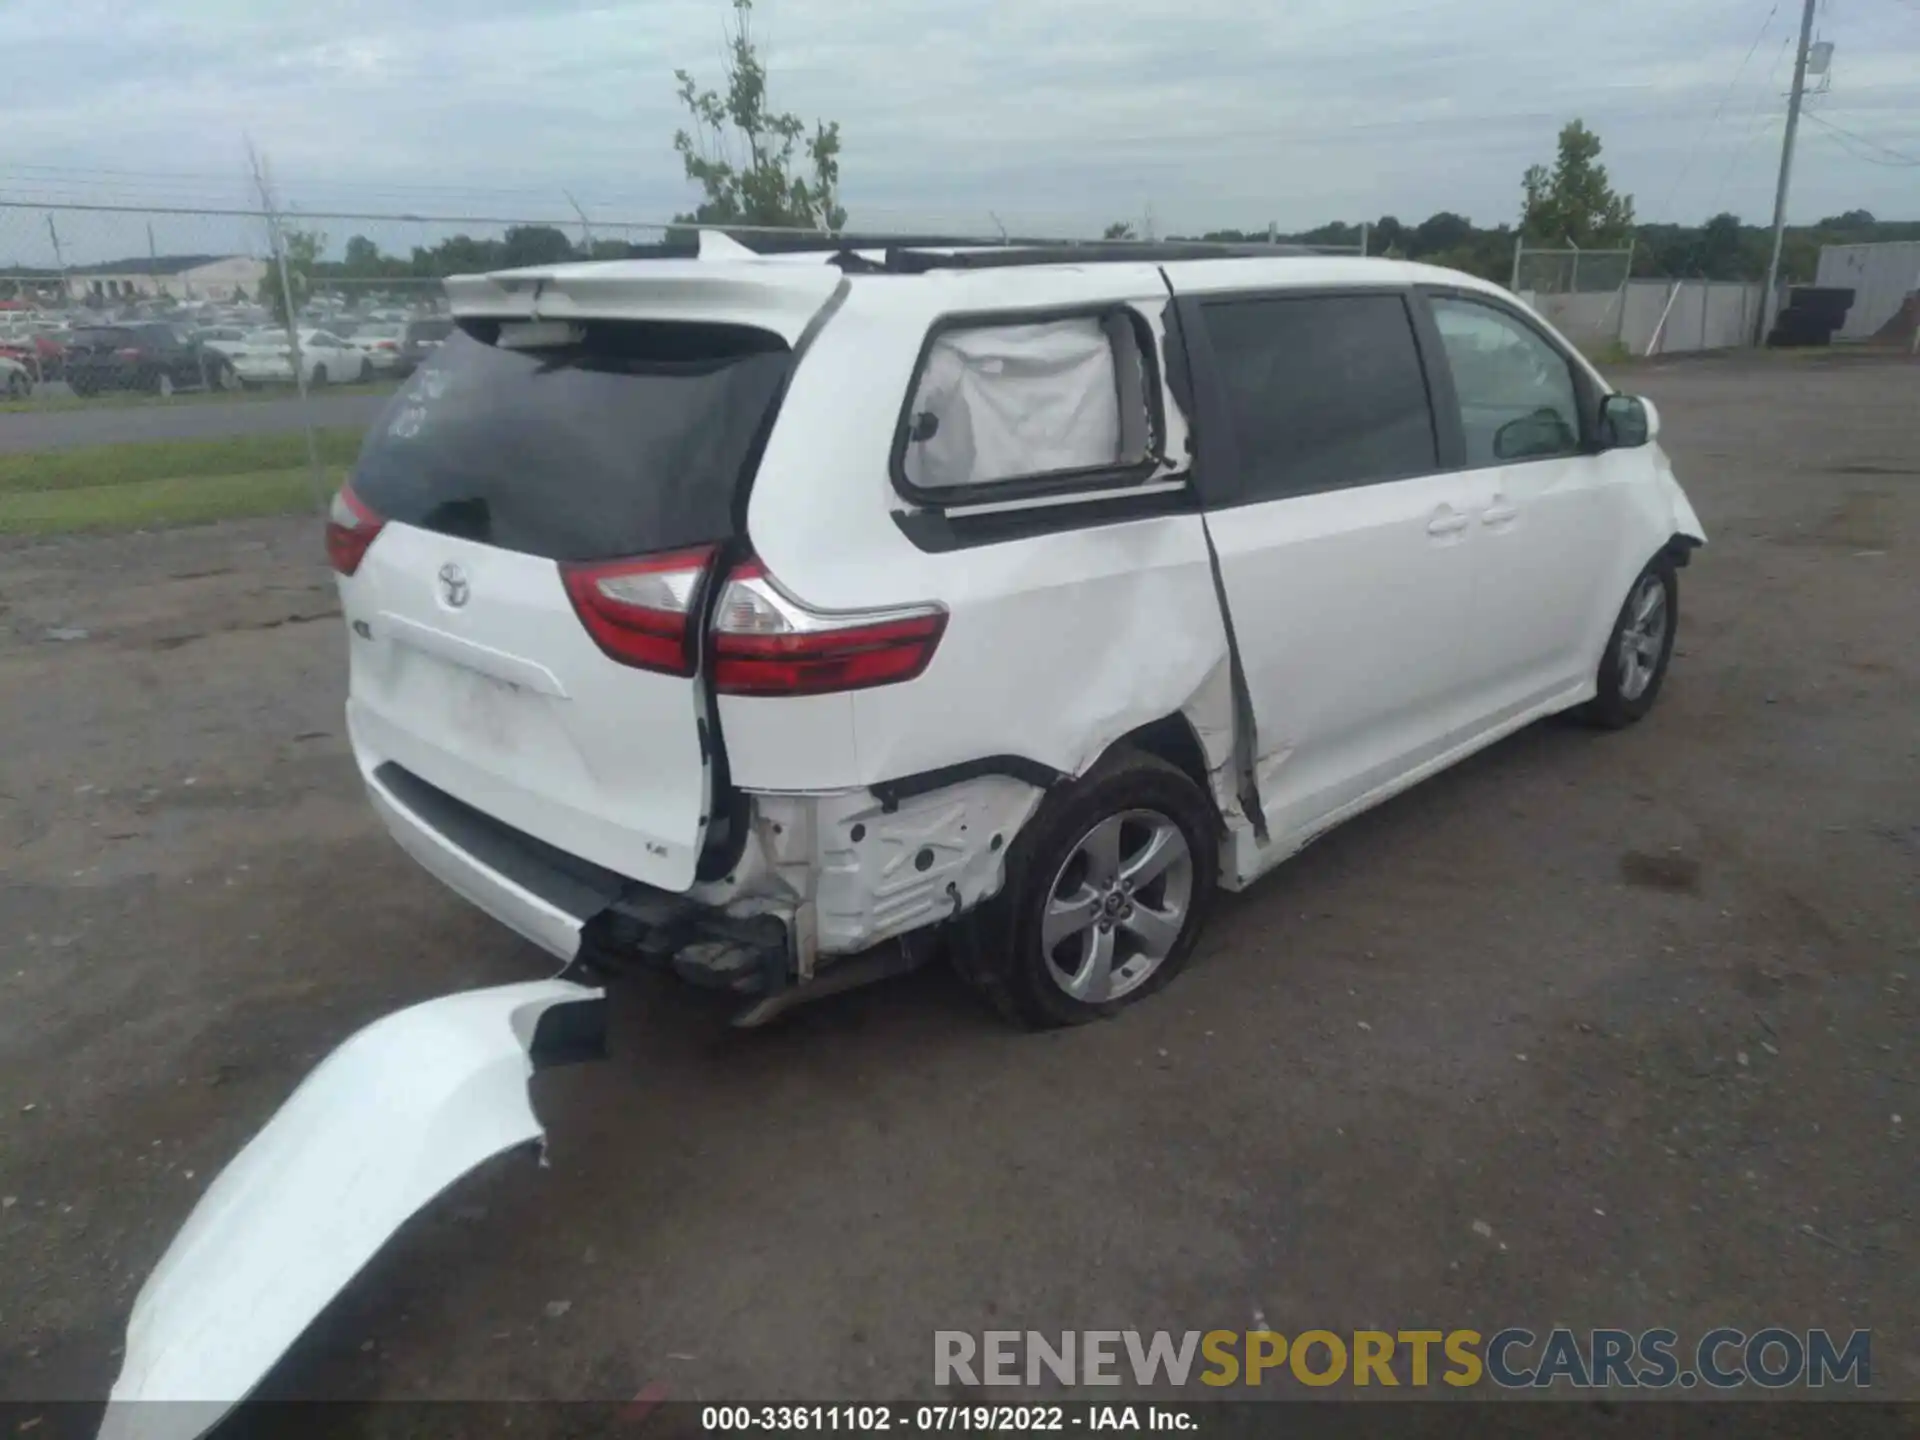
319,377
1634,664
1107,889
19,386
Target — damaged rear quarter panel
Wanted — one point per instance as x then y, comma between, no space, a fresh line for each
847,873
1057,644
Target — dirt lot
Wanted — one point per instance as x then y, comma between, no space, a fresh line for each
1638,1006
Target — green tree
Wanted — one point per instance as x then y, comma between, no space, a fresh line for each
1439,232
1722,248
458,255
303,249
363,256
1119,230
535,245
741,153
1572,203
1387,236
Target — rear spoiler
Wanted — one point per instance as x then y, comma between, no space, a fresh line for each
783,299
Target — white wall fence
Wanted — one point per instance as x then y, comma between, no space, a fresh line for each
1657,317
1881,277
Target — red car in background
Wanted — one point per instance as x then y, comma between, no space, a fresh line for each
41,352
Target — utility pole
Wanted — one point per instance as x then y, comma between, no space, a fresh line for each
1786,170
59,260
586,225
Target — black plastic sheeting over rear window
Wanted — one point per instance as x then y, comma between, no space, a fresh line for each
636,439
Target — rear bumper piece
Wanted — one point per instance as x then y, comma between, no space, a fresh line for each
389,1120
541,893
570,907
749,956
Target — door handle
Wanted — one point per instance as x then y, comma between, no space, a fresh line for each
1447,521
1498,513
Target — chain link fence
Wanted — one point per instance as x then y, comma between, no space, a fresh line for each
1582,292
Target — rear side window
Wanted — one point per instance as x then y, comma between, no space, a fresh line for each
421,331
99,338
1323,391
998,403
623,439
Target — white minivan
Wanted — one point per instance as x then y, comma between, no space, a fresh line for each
784,621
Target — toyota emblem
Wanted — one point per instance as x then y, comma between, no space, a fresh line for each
453,585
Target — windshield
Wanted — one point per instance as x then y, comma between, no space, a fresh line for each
637,439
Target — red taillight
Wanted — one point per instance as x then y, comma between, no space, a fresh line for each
767,643
351,528
638,611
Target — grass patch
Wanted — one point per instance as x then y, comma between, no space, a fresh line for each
1607,352
108,466
181,500
137,399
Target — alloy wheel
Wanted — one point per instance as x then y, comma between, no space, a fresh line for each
1642,637
1117,906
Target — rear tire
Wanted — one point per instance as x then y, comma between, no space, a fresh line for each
319,376
1634,664
162,384
1107,889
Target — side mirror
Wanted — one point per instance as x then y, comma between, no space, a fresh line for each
1534,436
1627,421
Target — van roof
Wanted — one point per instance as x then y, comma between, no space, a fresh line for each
784,292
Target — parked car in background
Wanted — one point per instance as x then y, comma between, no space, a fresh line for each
381,345
421,339
43,351
144,355
325,359
227,339
16,381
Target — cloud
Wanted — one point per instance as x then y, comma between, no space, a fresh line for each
1050,114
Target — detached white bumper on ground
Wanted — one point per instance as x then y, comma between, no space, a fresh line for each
386,1122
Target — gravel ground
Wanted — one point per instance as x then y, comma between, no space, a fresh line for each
1592,1030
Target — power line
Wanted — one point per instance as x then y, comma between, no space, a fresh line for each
1752,128
1895,159
1694,150
1898,157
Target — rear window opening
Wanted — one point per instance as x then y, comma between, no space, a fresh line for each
609,439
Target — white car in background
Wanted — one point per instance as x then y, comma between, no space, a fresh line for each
267,359
229,340
380,343
16,381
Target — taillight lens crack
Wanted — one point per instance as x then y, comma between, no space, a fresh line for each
639,611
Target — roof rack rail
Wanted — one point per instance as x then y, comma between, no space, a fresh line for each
905,260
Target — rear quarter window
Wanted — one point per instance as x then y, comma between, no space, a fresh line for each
1000,406
633,438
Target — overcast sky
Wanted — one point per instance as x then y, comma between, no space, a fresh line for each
1054,115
